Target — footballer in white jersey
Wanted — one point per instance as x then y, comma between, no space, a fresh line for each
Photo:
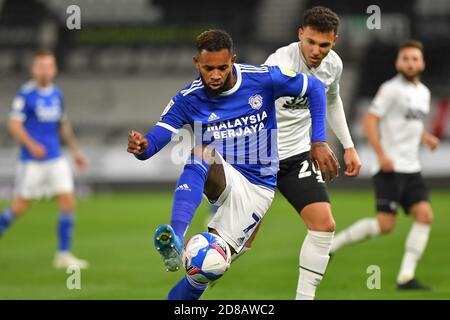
293,116
298,179
394,128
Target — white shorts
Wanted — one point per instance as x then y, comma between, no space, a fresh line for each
242,206
36,179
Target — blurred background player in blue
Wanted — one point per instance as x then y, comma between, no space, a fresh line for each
38,122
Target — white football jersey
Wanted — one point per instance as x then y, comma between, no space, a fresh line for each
401,106
293,117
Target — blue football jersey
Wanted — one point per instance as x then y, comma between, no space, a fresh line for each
41,111
240,123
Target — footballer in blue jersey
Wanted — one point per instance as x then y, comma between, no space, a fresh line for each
231,108
38,123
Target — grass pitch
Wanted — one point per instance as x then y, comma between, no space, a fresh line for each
114,232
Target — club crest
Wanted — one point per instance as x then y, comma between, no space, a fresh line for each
255,101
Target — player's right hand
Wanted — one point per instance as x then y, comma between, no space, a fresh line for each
386,163
324,160
38,151
80,160
352,162
137,143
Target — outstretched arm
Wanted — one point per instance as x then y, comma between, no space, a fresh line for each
145,146
321,154
287,83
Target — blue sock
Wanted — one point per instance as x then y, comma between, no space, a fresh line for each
65,228
187,289
6,219
188,194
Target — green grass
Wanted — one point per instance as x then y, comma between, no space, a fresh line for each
114,232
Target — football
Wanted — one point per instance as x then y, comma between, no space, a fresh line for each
206,257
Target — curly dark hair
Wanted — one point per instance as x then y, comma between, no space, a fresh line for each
214,40
321,19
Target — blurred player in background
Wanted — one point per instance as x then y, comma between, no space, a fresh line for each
298,179
38,123
234,106
394,128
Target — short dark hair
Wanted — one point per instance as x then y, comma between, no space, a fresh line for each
411,44
43,52
321,19
214,40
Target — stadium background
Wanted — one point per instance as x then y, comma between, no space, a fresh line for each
119,71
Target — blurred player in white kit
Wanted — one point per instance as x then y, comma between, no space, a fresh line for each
394,128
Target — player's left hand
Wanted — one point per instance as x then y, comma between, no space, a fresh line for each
352,162
324,160
431,141
80,160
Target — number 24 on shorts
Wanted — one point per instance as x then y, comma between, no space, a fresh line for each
304,172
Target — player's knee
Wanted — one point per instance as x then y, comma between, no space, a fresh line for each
386,226
325,225
19,207
67,203
329,225
67,208
204,152
318,220
422,212
425,217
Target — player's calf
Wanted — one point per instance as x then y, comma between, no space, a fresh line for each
199,172
6,218
19,206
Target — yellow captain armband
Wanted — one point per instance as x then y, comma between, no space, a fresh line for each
288,72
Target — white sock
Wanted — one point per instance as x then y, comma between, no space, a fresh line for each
362,229
414,248
314,256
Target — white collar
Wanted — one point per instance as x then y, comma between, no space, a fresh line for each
237,84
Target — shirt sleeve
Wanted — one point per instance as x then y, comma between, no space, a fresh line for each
335,111
288,83
383,100
333,89
157,139
174,115
291,84
171,120
19,107
337,121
